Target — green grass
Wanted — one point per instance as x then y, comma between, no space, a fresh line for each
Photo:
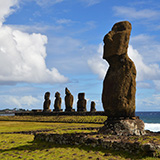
8,126
64,119
22,146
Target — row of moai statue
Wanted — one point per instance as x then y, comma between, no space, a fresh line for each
81,103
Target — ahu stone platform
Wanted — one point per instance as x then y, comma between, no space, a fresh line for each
59,113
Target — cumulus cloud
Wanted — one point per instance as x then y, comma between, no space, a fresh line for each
97,64
7,7
132,13
144,71
19,101
147,46
23,55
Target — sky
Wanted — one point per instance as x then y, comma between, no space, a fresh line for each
47,45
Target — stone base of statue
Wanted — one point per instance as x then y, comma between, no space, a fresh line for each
69,110
81,110
123,126
58,110
93,110
47,110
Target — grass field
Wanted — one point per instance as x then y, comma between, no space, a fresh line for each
23,146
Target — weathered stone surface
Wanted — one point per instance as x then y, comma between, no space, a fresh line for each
68,101
125,127
57,102
113,142
93,108
119,85
81,104
47,102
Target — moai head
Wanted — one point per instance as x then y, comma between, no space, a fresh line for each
67,92
93,104
47,95
116,41
57,94
81,96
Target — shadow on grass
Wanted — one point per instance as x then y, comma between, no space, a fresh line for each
42,146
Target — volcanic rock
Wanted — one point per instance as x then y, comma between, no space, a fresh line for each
119,85
68,101
81,103
47,102
57,102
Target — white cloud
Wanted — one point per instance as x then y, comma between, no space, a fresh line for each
19,101
143,85
144,71
43,3
6,8
23,55
91,2
132,13
147,103
147,46
97,64
64,21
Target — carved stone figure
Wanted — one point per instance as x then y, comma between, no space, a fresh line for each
119,85
47,102
81,103
68,100
57,102
93,109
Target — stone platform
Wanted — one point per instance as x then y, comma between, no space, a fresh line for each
54,113
123,126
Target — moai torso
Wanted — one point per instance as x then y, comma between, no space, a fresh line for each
47,102
119,85
81,104
57,102
68,100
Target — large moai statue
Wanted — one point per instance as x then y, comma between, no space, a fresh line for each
119,85
81,103
68,101
47,102
93,108
57,102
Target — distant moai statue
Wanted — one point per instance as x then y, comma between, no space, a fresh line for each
93,108
81,103
68,101
47,102
57,102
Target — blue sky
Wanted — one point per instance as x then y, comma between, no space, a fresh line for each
47,45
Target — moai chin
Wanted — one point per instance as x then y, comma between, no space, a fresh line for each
93,108
57,102
47,102
68,101
119,85
81,103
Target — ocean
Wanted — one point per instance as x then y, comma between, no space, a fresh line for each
151,120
